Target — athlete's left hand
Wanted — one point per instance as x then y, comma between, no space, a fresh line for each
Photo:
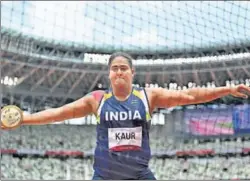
241,91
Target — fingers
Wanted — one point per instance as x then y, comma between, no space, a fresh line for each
244,90
3,128
239,94
244,87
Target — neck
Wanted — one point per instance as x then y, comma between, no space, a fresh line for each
121,93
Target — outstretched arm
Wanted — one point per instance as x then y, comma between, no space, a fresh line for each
202,95
162,98
82,107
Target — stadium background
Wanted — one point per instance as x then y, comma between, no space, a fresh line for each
53,53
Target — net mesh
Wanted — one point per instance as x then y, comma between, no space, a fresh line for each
62,48
149,27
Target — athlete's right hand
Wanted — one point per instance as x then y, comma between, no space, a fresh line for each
11,117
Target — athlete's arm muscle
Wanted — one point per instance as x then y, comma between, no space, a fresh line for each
84,106
161,98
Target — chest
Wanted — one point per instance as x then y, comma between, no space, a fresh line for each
123,111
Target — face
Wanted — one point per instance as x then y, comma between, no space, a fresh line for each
120,73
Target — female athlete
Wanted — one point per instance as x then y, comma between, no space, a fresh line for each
123,114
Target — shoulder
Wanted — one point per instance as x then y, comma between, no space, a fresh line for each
149,92
152,94
95,98
96,95
153,91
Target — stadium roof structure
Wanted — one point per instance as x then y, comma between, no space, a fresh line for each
53,75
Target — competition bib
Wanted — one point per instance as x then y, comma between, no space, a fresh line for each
124,139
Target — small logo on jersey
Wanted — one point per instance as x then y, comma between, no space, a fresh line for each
122,116
134,102
124,136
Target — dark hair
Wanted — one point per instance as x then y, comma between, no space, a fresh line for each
121,54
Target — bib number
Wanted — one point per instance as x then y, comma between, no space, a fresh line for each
124,139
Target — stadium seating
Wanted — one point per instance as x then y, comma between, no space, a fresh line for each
82,138
170,169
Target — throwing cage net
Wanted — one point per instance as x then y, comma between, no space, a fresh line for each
55,52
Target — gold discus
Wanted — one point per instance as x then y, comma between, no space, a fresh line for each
11,116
